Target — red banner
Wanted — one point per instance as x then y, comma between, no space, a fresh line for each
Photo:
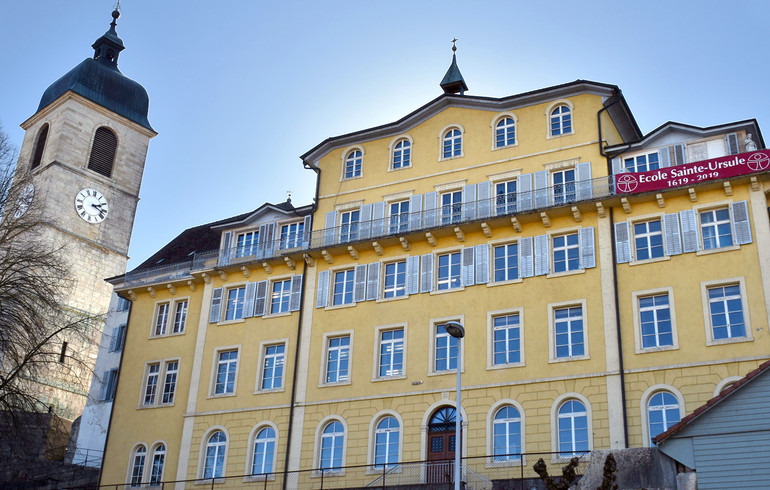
693,173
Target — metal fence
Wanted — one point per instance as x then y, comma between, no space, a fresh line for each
506,472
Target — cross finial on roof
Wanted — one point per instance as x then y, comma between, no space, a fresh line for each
117,6
454,44
288,199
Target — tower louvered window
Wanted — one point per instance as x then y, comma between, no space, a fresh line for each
103,152
39,147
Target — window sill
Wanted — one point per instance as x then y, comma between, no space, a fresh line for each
565,273
388,378
504,283
344,305
733,340
718,250
513,145
231,322
512,462
256,478
455,157
270,390
164,336
443,373
209,481
445,291
331,385
277,315
650,350
345,179
220,395
550,136
567,359
493,367
649,261
391,169
327,473
391,469
394,298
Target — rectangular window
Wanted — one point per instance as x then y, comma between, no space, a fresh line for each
118,338
445,350
234,310
449,271
272,367
349,225
451,207
281,296
343,287
566,253
391,353
161,319
507,262
151,383
563,182
399,217
123,304
655,321
169,384
180,316
227,364
246,244
507,339
568,332
716,228
338,359
505,197
726,312
109,385
395,279
648,239
642,163
292,235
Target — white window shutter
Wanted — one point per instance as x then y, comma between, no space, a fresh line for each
330,228
484,207
741,222
542,265
413,275
359,284
469,202
260,302
248,302
541,189
429,215
378,219
426,273
664,157
365,223
587,248
622,243
689,230
526,257
415,212
617,166
105,386
307,233
296,292
482,263
322,293
671,234
224,254
262,241
680,156
524,192
373,281
216,305
468,266
584,184
732,144
269,240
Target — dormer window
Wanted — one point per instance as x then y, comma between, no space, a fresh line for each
247,244
292,235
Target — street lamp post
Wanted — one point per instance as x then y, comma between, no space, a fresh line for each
456,330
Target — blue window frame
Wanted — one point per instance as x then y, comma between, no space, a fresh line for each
662,413
338,359
506,262
272,369
281,295
446,350
642,163
726,311
566,252
386,442
264,452
402,154
214,463
505,132
343,287
452,143
569,334
246,244
391,353
507,434
292,235
573,429
349,225
561,120
332,443
399,217
226,369
451,207
564,190
395,279
655,321
449,271
505,197
507,339
716,228
648,240
235,298
353,164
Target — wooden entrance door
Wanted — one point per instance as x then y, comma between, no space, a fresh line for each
442,444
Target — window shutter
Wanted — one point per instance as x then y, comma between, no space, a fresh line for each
307,232
216,305
365,223
426,274
378,219
373,281
114,339
664,157
468,266
542,266
39,147
121,337
269,239
224,254
732,144
741,222
248,302
584,186
524,192
689,230
330,228
105,386
469,202
484,203
541,189
429,215
587,249
526,257
261,298
415,212
622,242
359,284
322,295
680,157
413,275
671,234
103,152
482,263
617,166
296,292
112,384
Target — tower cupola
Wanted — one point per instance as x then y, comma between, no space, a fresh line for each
453,81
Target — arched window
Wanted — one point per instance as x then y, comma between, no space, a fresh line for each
332,443
214,463
402,154
572,429
662,413
37,156
452,143
561,120
507,434
353,163
137,466
505,132
386,442
103,151
158,461
264,452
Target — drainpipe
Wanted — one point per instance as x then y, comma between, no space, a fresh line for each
299,332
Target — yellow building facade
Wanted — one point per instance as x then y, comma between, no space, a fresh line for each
596,313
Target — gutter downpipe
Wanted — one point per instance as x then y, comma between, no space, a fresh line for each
615,276
299,331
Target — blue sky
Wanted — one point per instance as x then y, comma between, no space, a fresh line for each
240,89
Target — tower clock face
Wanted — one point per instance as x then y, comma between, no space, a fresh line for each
91,205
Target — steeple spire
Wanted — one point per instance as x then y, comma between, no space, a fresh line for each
108,47
453,82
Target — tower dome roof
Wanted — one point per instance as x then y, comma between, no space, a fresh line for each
99,80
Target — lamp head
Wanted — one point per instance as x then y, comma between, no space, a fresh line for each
455,329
